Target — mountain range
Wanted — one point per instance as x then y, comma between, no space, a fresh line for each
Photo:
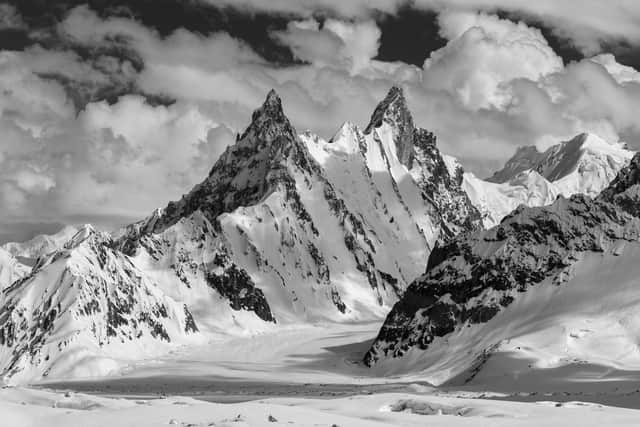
290,228
585,164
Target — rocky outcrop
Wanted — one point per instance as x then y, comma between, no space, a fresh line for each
472,278
393,110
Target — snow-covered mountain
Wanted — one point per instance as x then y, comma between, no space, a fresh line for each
40,245
82,308
549,287
325,229
10,269
585,164
17,258
285,229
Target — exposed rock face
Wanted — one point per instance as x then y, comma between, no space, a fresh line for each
472,278
246,172
442,188
416,149
624,191
525,158
394,111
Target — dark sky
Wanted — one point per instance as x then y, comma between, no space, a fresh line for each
410,35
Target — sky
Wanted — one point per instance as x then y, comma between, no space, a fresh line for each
111,108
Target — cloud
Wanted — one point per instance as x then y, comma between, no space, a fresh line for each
10,19
485,52
494,86
116,160
308,8
587,22
338,43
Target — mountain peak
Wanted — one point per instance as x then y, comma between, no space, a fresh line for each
393,110
269,121
273,99
525,158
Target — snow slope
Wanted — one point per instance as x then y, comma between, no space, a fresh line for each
40,245
584,165
10,269
16,259
552,286
497,200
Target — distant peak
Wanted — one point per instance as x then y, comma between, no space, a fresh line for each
269,121
272,107
396,91
393,110
273,99
83,233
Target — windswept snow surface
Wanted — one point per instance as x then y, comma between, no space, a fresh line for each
30,408
585,164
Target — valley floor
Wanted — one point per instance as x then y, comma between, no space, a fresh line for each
310,376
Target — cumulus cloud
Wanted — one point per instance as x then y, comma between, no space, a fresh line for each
337,43
494,86
485,52
587,22
108,160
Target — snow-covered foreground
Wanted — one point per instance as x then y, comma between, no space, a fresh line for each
301,376
295,355
25,407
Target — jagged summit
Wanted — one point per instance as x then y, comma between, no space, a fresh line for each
246,172
394,111
269,121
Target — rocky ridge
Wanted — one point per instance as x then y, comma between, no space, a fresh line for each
472,279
